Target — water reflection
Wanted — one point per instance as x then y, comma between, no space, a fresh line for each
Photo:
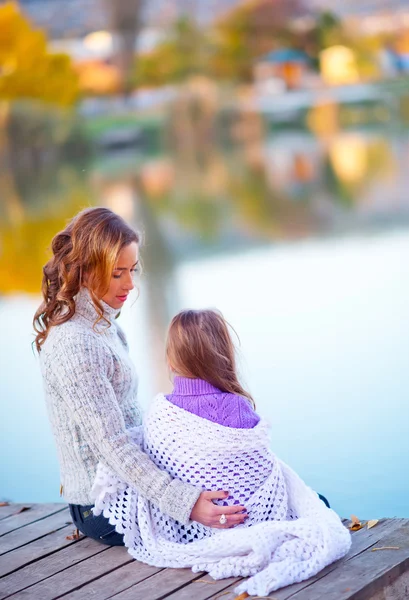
43,168
217,181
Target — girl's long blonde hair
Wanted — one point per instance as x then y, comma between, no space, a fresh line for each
199,346
87,247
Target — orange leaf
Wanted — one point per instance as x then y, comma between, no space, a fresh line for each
4,503
22,509
242,596
356,524
75,536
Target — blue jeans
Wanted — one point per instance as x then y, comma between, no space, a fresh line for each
97,528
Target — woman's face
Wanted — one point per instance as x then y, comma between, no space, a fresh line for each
122,280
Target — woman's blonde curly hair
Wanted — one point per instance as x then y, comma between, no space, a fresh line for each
87,247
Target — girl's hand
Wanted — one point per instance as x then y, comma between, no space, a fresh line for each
207,513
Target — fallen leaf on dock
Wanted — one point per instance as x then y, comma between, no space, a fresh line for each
242,596
356,524
386,548
372,523
22,509
4,503
75,536
204,581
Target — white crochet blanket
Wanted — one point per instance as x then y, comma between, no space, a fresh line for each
290,534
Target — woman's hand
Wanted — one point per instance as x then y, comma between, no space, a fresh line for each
207,513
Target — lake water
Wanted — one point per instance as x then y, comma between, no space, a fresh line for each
324,333
305,250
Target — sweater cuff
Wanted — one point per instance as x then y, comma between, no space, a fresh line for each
178,500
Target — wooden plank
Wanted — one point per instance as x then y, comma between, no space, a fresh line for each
77,575
204,588
36,530
361,540
35,550
159,585
397,590
197,589
114,582
48,566
11,509
34,513
361,577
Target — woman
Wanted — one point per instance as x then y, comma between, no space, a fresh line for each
90,383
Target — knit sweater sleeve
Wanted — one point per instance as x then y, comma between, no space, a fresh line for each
81,373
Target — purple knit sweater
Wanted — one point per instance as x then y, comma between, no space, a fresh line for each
203,399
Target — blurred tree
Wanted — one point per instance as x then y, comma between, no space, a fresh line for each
24,245
327,30
27,69
125,22
249,31
367,50
181,55
223,197
225,51
39,143
34,143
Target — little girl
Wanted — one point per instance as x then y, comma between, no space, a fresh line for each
207,433
201,355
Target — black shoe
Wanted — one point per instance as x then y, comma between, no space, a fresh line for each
325,501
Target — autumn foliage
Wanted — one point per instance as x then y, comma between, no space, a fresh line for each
27,68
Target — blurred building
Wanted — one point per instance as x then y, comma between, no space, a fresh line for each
346,8
368,16
282,69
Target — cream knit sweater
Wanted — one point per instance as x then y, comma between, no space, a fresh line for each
90,388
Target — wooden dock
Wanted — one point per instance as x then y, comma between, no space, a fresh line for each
39,560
